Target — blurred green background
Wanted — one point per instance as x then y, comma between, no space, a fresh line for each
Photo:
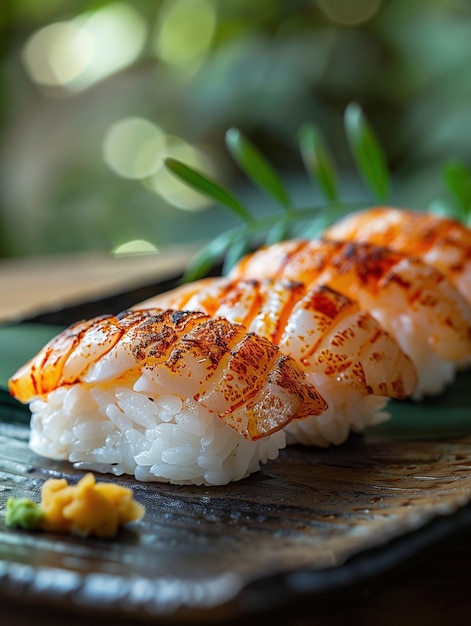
95,94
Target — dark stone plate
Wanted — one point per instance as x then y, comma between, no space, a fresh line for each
310,523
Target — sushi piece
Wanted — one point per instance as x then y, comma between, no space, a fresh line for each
412,300
165,396
440,241
345,353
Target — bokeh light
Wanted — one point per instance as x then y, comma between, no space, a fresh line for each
185,31
349,12
92,89
134,147
119,34
57,54
135,246
76,54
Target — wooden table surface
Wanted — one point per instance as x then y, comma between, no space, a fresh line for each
429,588
31,285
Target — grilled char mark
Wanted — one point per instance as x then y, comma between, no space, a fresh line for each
248,365
270,308
252,358
330,309
269,304
411,232
287,377
229,295
328,302
46,368
296,291
371,264
273,261
153,331
154,336
267,412
212,340
307,261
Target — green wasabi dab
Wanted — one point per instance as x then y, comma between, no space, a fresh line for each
23,513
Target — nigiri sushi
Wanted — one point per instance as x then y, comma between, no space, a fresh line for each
354,363
163,395
440,241
412,300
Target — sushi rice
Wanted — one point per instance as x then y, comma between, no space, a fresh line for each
137,431
348,411
155,436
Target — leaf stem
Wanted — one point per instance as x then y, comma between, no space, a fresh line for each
233,243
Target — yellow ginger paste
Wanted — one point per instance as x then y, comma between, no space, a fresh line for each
87,508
